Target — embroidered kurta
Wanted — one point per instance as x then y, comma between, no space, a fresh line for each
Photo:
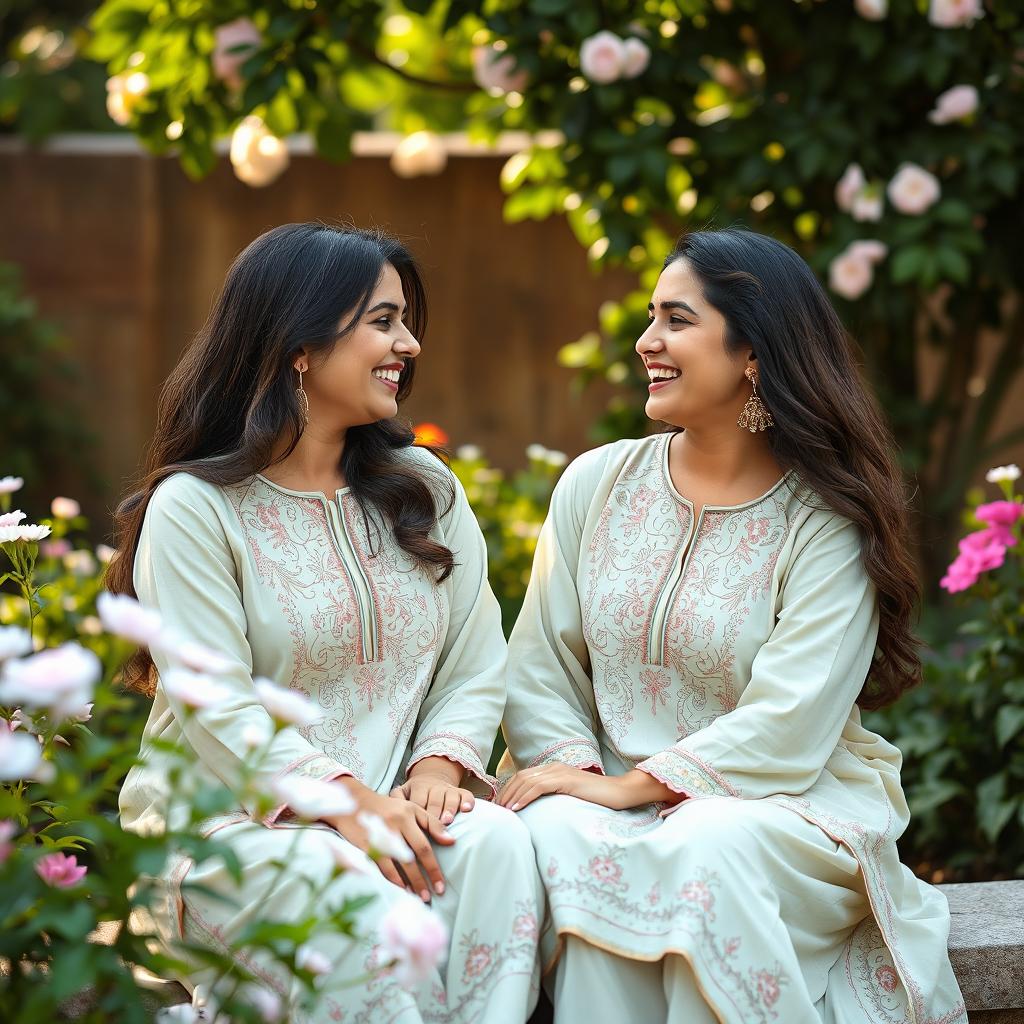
723,654
306,591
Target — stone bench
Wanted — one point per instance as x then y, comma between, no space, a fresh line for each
986,947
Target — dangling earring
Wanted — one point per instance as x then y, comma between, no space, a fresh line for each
755,415
300,394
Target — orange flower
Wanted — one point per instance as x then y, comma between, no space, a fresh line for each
429,434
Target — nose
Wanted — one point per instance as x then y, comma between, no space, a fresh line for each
406,343
649,340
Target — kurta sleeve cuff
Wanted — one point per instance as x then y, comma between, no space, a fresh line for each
575,752
312,766
685,773
455,748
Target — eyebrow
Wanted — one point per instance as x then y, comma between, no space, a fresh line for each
383,305
674,304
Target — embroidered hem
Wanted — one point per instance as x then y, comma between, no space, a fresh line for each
455,748
575,752
687,774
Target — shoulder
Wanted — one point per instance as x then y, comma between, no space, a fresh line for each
183,501
608,460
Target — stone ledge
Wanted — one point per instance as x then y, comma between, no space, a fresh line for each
986,946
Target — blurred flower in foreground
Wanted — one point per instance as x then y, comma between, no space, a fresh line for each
429,434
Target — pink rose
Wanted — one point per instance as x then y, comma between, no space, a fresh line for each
495,71
980,540
849,187
60,871
868,205
850,275
414,937
227,66
637,57
869,249
959,576
602,57
1000,513
913,189
65,508
954,104
872,10
954,13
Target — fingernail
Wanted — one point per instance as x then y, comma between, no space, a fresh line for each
466,806
426,895
514,807
448,817
439,888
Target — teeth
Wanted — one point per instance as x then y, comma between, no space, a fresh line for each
391,375
656,373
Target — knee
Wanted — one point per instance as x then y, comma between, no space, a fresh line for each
493,832
717,828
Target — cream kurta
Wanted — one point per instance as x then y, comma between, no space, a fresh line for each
300,589
723,656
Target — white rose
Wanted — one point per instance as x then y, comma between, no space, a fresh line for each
234,35
867,206
495,70
869,249
954,13
850,276
913,189
849,186
20,755
124,616
193,689
602,57
65,508
60,679
955,104
14,642
872,10
636,57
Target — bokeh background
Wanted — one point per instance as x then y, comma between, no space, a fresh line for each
540,156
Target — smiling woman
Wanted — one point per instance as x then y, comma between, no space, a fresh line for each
287,520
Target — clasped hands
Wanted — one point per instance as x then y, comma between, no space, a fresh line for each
617,792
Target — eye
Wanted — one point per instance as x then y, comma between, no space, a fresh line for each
385,320
678,320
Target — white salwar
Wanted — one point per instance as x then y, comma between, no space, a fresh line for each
304,590
723,654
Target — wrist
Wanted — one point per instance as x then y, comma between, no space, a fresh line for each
440,768
636,788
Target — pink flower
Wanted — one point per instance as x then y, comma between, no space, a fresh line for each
60,871
6,846
605,870
913,189
55,548
872,10
12,518
233,36
602,57
869,249
414,937
850,275
954,13
478,959
1000,513
887,978
60,679
867,206
959,576
637,56
849,187
193,689
767,987
955,104
125,617
65,508
496,71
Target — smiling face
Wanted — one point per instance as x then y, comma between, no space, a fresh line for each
695,382
358,381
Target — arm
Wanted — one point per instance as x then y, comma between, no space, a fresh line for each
551,712
804,682
185,568
460,715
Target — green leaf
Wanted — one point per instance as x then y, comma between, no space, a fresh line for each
1009,722
993,810
908,263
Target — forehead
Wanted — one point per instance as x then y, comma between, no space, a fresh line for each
389,285
677,281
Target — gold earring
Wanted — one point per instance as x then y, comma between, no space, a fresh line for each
755,415
300,394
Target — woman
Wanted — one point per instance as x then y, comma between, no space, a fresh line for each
286,522
710,609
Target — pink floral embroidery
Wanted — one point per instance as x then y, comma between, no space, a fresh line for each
732,945
757,530
552,868
655,686
654,895
699,893
887,978
767,987
525,926
605,870
478,959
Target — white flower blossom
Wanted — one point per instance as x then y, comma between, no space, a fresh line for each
104,552
384,840
80,563
413,936
468,452
12,518
14,642
60,679
193,689
65,508
20,755
288,706
10,484
1000,473
312,798
125,617
25,532
309,958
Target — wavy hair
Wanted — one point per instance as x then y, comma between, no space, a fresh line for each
233,395
829,429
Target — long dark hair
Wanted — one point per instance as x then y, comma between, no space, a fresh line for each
233,394
828,426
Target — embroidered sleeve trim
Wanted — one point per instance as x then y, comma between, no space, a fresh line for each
458,749
576,752
312,766
686,773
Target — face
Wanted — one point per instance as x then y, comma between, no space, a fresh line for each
694,381
358,381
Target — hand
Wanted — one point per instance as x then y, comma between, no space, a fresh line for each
407,820
433,784
618,792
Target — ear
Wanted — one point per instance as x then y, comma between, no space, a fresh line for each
301,360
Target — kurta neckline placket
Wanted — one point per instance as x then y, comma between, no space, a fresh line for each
345,547
657,639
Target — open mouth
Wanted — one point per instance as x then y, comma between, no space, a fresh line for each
661,377
388,376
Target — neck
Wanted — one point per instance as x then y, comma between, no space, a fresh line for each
316,457
723,454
